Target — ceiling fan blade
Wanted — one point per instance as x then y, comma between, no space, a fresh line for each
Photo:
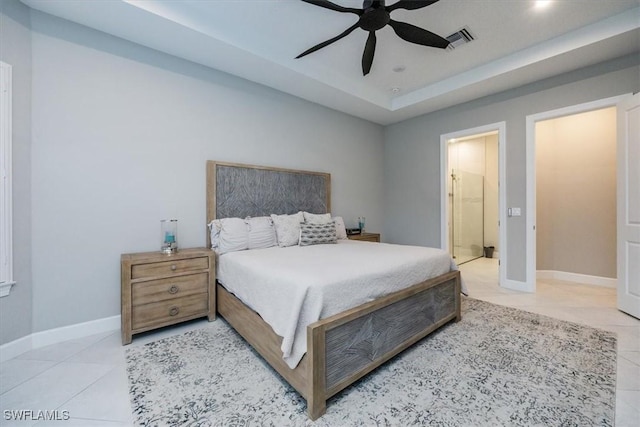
417,35
369,51
328,5
410,4
328,42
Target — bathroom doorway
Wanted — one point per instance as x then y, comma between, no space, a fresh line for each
473,196
471,173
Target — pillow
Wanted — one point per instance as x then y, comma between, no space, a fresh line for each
262,233
229,235
317,234
341,231
310,218
287,228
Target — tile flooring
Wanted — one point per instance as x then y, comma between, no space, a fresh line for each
87,378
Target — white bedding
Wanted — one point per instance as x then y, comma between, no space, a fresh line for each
292,287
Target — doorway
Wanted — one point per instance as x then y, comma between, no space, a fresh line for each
576,198
472,168
473,197
532,201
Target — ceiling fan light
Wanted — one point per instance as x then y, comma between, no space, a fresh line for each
542,4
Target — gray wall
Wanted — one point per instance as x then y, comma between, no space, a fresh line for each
121,135
15,49
412,151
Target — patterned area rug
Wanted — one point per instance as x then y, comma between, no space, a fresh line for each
497,367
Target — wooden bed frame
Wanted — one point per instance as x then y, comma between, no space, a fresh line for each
342,348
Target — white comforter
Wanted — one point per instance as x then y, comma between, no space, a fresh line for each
296,286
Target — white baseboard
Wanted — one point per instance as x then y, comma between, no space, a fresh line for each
57,335
516,285
15,348
577,278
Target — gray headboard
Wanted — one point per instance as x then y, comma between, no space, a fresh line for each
237,190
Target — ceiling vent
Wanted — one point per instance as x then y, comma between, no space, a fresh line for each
459,38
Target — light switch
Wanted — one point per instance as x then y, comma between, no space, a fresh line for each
514,212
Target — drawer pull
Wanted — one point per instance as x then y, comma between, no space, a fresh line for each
173,267
174,289
174,311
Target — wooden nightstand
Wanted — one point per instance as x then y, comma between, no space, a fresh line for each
160,290
367,237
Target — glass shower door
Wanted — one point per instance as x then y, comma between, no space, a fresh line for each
467,211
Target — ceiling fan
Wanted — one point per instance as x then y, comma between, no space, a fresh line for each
374,15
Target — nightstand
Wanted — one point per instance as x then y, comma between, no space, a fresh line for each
163,289
367,237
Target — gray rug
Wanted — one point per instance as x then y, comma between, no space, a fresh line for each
497,367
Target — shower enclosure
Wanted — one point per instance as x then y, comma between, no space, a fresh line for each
466,203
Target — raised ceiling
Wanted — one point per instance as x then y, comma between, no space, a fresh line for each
515,43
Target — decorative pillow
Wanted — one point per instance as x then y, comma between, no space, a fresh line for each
341,231
229,235
310,218
262,233
317,234
287,228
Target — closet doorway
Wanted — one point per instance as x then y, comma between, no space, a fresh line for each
576,197
589,252
471,194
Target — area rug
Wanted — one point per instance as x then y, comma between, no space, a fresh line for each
497,367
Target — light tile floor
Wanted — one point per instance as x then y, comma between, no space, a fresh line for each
87,377
589,305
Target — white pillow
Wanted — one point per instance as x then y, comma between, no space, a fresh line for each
287,228
229,235
310,218
341,231
262,233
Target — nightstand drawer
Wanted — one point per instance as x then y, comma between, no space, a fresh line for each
166,268
366,237
169,311
170,288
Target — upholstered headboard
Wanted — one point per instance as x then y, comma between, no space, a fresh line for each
237,190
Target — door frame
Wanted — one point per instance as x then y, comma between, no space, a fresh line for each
530,142
501,128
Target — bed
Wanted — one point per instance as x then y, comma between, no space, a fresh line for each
346,343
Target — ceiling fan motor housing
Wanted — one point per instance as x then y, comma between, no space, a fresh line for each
374,19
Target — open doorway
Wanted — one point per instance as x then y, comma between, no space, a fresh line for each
576,197
473,197
598,277
472,169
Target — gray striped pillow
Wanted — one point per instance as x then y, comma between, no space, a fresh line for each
317,234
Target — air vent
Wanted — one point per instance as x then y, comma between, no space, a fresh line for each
459,38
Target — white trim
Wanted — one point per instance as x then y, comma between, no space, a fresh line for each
515,285
15,348
6,210
531,171
57,335
501,128
5,288
584,279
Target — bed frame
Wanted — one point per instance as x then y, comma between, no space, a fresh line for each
342,348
